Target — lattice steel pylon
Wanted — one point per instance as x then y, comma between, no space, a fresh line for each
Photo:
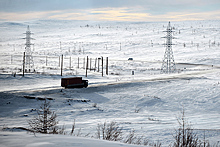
28,52
168,65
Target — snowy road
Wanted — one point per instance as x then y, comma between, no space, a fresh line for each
53,82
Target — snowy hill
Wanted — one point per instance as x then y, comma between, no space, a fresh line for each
148,102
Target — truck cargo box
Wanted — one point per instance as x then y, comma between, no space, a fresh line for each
74,82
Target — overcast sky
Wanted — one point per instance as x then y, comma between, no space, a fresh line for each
110,10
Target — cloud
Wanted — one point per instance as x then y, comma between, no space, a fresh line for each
118,14
215,15
55,5
110,14
110,10
21,16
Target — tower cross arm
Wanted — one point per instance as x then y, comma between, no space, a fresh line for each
169,30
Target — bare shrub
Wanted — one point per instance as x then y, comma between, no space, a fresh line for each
157,144
185,137
109,131
132,138
145,142
79,132
58,130
98,131
73,128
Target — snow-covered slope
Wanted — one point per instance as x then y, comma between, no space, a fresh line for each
21,139
148,102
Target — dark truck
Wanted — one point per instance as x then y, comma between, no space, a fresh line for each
74,82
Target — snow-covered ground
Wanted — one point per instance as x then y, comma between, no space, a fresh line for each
148,102
21,139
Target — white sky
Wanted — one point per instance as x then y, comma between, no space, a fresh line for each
110,10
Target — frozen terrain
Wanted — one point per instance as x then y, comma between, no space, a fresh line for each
148,102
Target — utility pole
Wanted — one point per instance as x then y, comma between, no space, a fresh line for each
95,63
98,63
70,62
59,61
62,65
106,65
46,60
84,63
87,62
168,65
60,47
90,67
23,64
102,67
78,63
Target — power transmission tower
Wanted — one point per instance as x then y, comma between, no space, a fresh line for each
28,52
168,65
